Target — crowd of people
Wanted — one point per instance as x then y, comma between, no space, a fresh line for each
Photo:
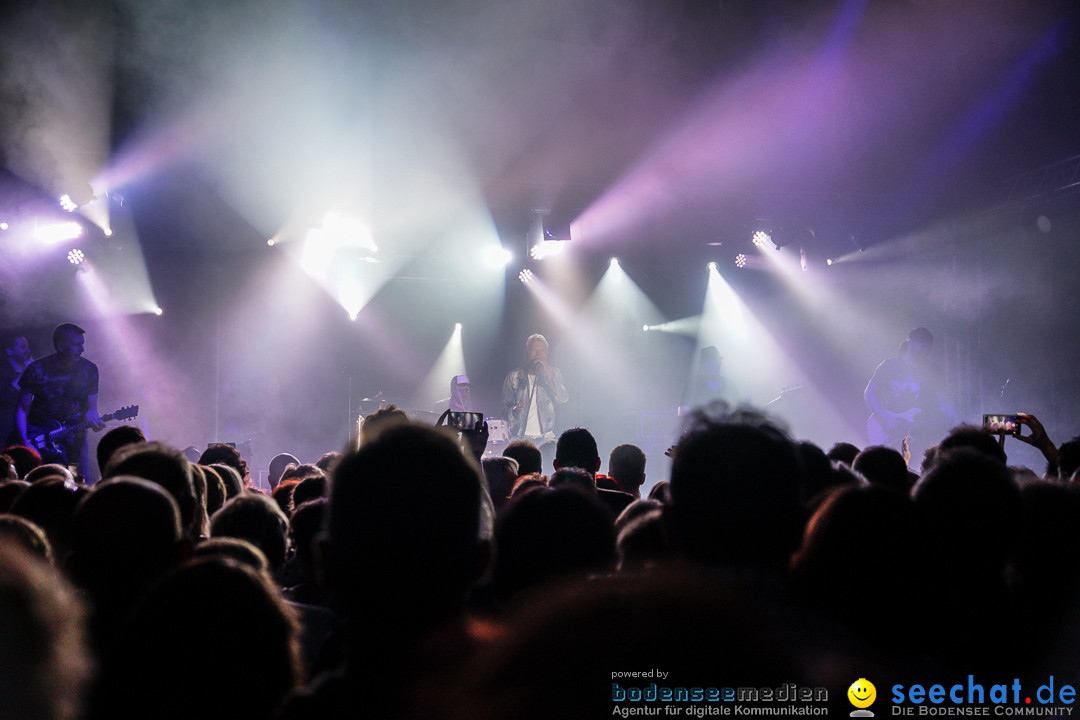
416,577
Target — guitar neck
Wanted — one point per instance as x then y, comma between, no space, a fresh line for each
76,427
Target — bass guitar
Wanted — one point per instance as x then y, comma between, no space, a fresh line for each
45,440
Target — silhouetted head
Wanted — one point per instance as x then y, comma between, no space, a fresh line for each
18,531
9,491
50,503
127,534
501,473
574,477
226,455
404,517
236,549
230,476
381,420
843,452
883,466
42,648
277,467
257,519
163,465
49,470
312,487
328,461
527,455
213,639
974,437
627,466
26,458
735,487
577,448
548,534
114,439
215,489
971,508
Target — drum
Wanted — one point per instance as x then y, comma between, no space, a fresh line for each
498,430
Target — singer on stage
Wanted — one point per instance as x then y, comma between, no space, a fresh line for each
530,394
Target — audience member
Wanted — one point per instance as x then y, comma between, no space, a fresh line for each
25,458
114,439
18,531
501,473
164,465
884,467
843,452
257,519
735,486
328,461
44,663
215,490
626,466
549,534
9,491
127,533
50,503
278,464
311,487
403,550
225,454
528,457
211,640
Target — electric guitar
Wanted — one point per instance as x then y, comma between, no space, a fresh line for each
909,421
45,440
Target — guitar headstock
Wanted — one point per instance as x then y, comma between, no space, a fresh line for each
126,413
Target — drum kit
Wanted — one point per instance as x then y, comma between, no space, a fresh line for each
498,428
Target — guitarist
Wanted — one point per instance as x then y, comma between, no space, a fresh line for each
58,389
906,399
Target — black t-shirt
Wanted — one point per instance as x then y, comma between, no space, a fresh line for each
902,387
59,393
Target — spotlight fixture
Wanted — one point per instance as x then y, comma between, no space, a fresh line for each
457,326
158,310
644,328
271,242
828,261
79,196
3,226
546,238
614,262
547,247
761,238
525,275
740,260
76,256
711,267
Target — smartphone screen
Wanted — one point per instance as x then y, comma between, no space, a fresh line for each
1002,423
463,420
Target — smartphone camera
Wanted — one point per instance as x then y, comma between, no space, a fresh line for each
1009,424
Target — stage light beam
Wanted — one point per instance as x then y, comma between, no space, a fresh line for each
58,232
496,256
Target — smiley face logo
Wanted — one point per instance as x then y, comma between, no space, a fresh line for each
862,693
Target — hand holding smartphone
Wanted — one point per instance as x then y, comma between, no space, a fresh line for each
1008,424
